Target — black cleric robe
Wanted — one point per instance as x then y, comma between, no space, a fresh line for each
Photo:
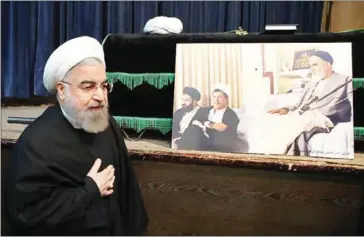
192,138
47,190
225,141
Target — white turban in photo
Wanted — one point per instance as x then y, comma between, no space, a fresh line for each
224,88
68,55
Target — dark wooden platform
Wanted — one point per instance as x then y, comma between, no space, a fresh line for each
188,199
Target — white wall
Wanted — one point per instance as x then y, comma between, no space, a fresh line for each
255,88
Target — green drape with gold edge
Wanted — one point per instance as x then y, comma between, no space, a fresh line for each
163,125
132,80
359,133
358,82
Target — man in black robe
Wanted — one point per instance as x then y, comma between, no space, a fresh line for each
186,135
70,173
220,122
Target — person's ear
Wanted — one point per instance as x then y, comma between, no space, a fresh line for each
60,90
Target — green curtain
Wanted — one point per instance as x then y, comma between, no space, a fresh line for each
163,125
132,80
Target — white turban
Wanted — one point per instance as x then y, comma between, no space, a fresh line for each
163,25
68,55
224,88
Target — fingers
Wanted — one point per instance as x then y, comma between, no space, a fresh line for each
109,184
283,112
109,187
274,111
108,172
112,182
108,179
104,179
95,167
108,176
107,192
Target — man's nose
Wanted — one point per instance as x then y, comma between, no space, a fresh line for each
99,94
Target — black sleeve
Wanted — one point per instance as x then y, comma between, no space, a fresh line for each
36,199
232,122
177,116
135,218
202,114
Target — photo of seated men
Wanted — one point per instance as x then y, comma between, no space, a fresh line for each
212,128
327,96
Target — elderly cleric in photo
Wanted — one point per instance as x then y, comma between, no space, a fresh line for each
69,173
327,94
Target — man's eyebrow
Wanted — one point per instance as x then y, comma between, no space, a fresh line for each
89,81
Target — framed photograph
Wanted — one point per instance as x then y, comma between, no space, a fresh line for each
302,59
250,98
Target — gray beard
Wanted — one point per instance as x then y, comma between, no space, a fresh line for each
90,121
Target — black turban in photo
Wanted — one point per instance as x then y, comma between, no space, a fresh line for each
195,94
324,56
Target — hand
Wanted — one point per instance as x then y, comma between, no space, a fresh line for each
176,139
104,179
207,124
197,123
174,145
282,111
219,127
